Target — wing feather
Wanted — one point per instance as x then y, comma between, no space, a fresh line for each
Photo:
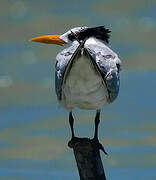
63,63
109,65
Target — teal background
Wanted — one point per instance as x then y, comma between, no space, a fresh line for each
34,129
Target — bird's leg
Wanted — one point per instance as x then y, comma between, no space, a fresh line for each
97,121
71,122
74,139
95,139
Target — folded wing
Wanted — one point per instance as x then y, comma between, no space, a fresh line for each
63,59
109,65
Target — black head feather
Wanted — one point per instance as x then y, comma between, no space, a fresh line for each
98,32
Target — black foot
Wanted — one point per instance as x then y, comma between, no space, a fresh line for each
98,145
95,142
74,140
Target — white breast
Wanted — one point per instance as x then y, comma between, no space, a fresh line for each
83,87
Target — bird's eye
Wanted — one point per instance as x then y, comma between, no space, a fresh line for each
71,37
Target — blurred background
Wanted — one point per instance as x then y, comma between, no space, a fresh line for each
34,129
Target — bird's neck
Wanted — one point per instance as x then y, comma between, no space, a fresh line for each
95,41
89,41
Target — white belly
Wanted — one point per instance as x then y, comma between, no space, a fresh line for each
83,87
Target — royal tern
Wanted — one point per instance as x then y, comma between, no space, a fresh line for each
87,70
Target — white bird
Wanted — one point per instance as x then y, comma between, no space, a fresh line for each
87,70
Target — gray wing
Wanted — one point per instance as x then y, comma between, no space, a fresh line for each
62,61
109,65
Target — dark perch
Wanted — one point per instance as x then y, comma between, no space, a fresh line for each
87,155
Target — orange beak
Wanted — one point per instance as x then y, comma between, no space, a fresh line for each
49,39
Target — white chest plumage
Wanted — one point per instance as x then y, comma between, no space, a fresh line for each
83,87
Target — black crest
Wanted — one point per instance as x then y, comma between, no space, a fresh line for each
98,32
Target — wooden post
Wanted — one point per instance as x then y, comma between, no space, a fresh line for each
88,158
